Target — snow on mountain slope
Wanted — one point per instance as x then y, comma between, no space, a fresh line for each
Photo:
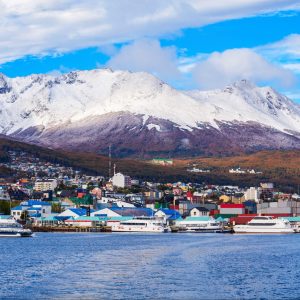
245,102
48,101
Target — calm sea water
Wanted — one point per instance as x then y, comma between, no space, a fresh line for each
150,266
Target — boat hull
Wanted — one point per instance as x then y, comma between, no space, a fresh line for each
16,234
182,230
139,229
263,230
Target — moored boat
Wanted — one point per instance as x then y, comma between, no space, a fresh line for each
198,224
265,224
140,224
11,228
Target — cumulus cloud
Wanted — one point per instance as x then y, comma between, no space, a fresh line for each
45,27
147,55
222,68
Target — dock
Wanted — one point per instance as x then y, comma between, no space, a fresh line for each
69,229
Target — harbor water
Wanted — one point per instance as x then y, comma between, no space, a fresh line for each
150,266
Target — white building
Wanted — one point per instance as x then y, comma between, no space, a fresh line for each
253,193
34,209
105,212
199,212
120,180
45,185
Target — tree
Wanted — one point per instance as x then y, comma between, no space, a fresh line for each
24,215
56,208
5,207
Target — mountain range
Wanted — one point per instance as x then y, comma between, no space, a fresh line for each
141,116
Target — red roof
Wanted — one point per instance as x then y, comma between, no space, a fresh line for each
230,205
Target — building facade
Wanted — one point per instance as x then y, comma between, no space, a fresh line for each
120,180
45,185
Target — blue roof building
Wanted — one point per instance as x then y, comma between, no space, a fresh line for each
34,208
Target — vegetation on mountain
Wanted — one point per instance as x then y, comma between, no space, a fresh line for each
280,167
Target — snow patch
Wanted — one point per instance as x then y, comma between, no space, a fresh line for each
145,118
150,126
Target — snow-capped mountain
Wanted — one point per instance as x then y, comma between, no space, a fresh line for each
139,114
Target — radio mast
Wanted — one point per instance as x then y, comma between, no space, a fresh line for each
109,162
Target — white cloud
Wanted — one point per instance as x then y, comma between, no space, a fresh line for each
287,48
147,55
44,27
285,52
222,68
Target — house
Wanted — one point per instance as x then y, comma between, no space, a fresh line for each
124,211
120,180
224,198
34,209
105,212
109,201
199,212
17,211
232,209
168,215
74,212
186,206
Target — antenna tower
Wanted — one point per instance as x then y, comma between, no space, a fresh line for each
109,162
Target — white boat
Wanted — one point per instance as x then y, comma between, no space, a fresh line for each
265,224
140,224
198,224
11,228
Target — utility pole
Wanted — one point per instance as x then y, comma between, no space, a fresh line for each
109,162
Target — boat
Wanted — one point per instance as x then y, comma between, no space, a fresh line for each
140,224
198,224
265,224
11,228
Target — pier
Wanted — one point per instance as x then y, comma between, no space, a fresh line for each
69,229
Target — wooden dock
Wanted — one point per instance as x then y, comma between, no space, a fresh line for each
69,229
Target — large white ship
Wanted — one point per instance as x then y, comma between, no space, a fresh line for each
265,224
140,224
11,228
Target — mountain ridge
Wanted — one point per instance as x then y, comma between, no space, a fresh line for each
54,110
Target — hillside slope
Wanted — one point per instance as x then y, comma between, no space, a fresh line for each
280,167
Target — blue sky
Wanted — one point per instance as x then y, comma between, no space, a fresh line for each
189,44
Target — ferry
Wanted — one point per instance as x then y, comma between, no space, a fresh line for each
11,228
198,224
265,224
140,224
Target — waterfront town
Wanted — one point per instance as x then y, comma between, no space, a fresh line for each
53,197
